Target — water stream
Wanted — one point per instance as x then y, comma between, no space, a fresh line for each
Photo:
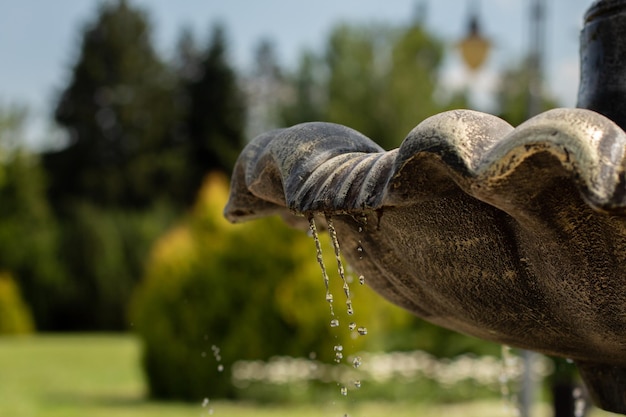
334,322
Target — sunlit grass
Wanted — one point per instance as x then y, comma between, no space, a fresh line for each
99,375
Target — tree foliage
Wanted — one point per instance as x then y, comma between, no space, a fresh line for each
119,114
29,232
15,316
143,134
378,79
213,108
513,94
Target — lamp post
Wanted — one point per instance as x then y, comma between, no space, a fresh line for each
474,47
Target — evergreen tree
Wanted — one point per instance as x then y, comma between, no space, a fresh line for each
264,90
213,120
119,114
306,100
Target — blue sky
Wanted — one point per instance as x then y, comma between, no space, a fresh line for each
39,39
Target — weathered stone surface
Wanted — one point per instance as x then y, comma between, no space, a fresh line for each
512,235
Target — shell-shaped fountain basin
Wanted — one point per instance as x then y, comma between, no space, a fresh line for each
517,236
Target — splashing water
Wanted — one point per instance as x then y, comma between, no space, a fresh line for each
340,268
320,261
218,358
334,322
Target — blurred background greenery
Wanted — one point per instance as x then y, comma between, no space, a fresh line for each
121,230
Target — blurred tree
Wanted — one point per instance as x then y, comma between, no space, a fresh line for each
383,80
305,100
265,90
213,107
124,172
380,80
15,316
512,95
119,114
29,235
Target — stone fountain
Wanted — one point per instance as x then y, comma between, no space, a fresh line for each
514,235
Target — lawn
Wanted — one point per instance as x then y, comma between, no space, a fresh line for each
99,375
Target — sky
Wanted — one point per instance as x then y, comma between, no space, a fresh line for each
39,39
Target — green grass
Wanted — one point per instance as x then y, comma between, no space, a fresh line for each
99,375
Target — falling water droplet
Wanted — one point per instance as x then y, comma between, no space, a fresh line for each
352,326
362,331
338,348
220,367
356,362
359,249
334,323
320,261
333,237
344,391
205,402
357,383
361,279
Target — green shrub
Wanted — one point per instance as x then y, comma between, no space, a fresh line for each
15,316
252,291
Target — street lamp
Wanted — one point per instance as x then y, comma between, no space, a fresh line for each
474,47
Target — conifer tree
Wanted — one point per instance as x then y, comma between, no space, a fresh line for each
214,118
119,114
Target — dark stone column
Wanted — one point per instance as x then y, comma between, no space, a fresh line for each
603,60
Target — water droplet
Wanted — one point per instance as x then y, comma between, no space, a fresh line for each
338,348
350,310
357,383
320,261
344,391
360,229
334,323
205,402
362,331
356,362
335,241
352,326
220,367
338,357
203,354
361,279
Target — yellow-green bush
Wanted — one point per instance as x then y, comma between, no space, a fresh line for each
15,316
253,290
